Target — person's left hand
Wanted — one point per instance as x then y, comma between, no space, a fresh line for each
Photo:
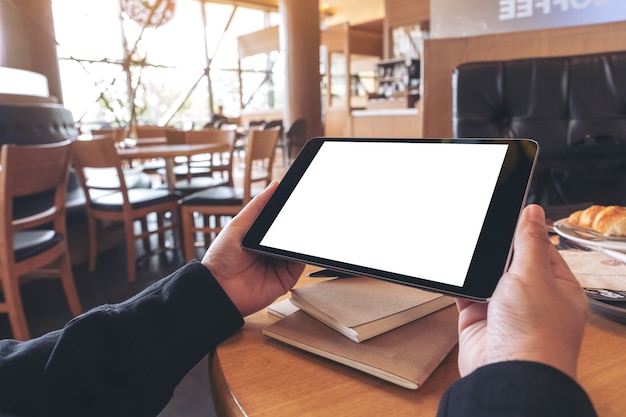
252,281
537,312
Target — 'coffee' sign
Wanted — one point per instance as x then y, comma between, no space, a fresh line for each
453,18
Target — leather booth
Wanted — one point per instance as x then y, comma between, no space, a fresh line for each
573,106
35,124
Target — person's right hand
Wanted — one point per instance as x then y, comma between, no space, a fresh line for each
537,312
251,280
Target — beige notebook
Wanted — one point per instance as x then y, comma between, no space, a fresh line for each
405,356
361,308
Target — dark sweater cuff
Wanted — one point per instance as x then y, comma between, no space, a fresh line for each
516,388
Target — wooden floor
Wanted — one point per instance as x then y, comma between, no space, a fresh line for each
47,310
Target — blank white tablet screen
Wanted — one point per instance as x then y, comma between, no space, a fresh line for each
409,208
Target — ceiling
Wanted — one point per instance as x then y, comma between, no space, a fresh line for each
356,12
273,4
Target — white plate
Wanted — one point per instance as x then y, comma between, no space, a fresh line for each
617,245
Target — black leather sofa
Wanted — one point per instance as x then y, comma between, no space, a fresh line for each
28,124
573,106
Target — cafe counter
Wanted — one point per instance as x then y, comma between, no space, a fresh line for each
391,123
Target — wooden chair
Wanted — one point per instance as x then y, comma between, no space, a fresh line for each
114,201
217,162
118,133
33,236
296,133
282,141
149,131
175,136
215,206
199,171
256,123
156,167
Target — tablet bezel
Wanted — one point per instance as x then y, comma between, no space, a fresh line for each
493,250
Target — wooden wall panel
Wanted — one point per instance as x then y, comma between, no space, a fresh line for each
338,123
385,126
441,56
363,42
403,12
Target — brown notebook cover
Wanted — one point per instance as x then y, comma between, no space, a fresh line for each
361,308
405,356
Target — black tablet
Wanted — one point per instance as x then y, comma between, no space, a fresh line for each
438,214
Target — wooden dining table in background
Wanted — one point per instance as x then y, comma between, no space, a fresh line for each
168,152
253,375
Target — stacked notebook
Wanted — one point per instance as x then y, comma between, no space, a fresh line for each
391,331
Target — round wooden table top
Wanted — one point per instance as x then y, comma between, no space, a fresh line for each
254,375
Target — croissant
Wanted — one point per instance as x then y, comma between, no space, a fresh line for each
608,220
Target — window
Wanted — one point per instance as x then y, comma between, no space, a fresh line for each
106,58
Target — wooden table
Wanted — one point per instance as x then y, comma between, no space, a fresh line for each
256,376
159,140
168,152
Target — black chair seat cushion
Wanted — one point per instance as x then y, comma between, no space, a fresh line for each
28,243
138,197
105,177
153,165
183,170
199,184
75,198
217,196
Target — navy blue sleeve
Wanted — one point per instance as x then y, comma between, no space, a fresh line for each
123,359
516,389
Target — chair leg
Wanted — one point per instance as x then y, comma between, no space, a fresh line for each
67,279
15,309
146,240
160,223
131,251
188,233
284,151
93,243
207,223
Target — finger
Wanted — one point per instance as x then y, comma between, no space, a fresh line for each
250,212
532,247
470,312
560,267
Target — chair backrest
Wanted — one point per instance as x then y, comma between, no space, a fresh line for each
175,136
253,123
261,147
33,182
227,126
117,133
298,128
148,131
33,235
274,123
296,135
225,137
203,136
99,168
